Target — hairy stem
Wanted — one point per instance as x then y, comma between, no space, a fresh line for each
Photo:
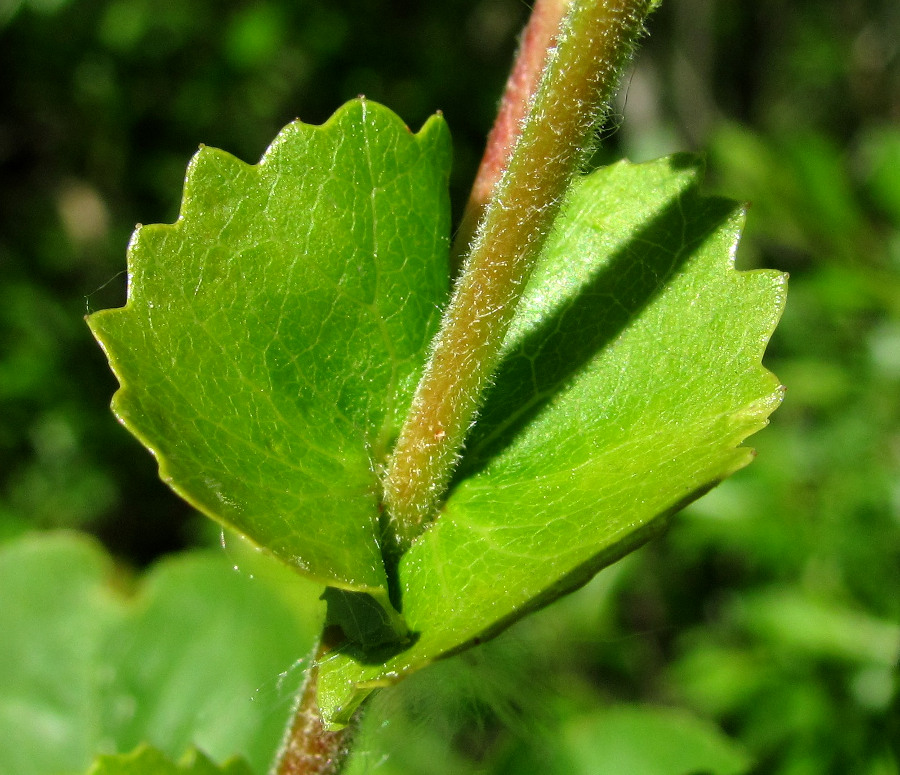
309,748
538,37
579,78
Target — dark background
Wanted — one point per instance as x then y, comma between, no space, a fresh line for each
753,610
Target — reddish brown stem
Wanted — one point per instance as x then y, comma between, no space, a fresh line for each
309,748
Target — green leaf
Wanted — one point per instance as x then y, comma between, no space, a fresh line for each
820,628
55,613
149,761
880,154
86,668
632,374
643,740
273,335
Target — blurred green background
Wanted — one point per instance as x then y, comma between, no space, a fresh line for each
765,626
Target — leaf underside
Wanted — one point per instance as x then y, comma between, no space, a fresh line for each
631,375
274,334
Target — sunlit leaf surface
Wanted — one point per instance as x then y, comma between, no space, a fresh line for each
632,375
274,333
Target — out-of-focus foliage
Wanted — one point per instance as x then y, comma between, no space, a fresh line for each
93,663
768,615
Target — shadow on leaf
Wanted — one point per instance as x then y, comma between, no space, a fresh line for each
588,320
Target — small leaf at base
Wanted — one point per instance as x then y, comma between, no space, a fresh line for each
148,761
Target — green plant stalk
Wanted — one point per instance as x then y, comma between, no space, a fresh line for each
538,38
579,78
523,189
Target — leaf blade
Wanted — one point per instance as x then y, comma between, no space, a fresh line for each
273,334
668,385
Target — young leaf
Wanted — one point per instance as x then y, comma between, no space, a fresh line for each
84,668
273,335
632,373
149,761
